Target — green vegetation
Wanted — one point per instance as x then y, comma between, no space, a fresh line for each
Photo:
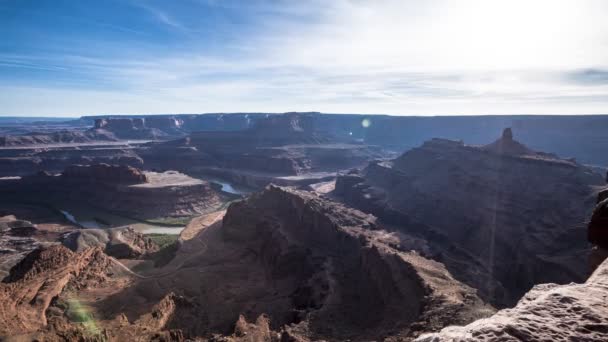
162,240
168,244
78,313
169,221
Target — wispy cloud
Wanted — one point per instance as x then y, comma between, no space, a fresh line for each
161,16
387,56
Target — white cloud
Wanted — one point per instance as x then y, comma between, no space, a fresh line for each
385,56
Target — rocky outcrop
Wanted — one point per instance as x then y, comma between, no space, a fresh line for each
38,280
17,238
597,230
501,217
305,268
506,145
549,312
121,243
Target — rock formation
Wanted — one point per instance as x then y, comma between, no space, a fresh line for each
597,230
59,137
121,243
280,145
283,265
549,312
35,283
16,240
140,128
12,226
121,189
21,161
501,217
304,267
115,174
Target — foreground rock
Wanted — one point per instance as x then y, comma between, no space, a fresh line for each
501,217
35,284
549,312
597,231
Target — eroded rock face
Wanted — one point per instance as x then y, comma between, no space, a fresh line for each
12,226
305,268
39,279
140,128
597,231
122,189
122,243
501,217
26,161
549,312
17,238
60,137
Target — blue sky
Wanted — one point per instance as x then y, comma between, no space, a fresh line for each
81,57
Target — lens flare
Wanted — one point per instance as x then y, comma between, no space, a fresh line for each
81,314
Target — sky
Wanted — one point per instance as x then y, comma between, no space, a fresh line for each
402,57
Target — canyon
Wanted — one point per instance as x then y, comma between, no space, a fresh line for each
303,227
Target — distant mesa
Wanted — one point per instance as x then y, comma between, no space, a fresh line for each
121,189
120,174
150,127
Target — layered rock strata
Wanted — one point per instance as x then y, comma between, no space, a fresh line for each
501,217
280,145
121,189
306,268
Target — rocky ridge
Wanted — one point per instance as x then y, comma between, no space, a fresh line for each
574,312
150,128
282,265
35,283
307,268
501,217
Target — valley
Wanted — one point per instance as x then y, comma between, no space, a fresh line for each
296,227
